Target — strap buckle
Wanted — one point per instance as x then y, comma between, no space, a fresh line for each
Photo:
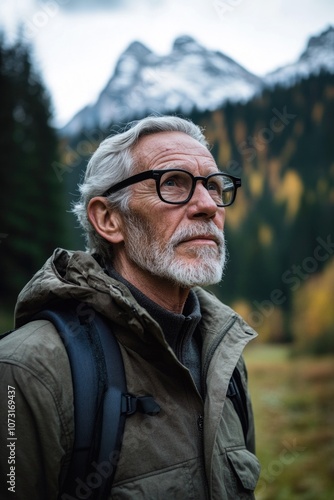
144,404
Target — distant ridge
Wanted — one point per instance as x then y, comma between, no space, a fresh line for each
318,55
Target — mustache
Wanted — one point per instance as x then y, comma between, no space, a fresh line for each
199,229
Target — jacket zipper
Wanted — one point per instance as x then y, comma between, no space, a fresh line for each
200,418
200,425
182,340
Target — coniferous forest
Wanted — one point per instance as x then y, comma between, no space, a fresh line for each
32,201
280,273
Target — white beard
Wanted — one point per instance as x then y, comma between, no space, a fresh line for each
206,269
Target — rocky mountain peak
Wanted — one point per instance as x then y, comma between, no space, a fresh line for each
186,44
323,43
138,50
189,77
318,56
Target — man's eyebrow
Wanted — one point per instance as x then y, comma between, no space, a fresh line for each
185,166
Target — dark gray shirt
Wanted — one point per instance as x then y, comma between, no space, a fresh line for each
180,330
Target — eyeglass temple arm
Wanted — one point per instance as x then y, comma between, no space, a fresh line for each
127,182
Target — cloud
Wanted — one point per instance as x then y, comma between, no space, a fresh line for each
84,5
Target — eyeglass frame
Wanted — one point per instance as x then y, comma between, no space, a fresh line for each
157,174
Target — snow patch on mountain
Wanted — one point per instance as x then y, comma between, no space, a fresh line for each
318,56
144,83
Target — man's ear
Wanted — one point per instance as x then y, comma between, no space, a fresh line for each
106,221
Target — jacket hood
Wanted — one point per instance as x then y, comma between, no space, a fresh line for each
77,275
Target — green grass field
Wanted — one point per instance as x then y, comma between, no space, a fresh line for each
293,401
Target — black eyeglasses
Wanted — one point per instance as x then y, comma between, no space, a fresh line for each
177,186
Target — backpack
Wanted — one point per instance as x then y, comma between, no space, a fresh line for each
101,400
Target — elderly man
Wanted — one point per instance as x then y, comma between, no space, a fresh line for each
153,209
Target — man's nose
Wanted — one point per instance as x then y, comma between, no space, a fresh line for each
201,203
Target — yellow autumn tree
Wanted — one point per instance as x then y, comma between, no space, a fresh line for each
268,323
313,313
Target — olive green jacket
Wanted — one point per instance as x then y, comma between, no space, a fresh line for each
194,448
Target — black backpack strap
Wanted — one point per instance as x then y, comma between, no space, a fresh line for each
237,395
101,401
112,417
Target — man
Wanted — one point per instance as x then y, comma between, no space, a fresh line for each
153,209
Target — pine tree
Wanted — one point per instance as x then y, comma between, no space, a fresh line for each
32,208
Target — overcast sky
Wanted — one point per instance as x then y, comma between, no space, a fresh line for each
77,42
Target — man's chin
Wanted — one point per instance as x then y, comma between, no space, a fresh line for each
196,253
194,272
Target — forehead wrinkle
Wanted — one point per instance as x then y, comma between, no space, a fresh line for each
138,160
175,149
143,159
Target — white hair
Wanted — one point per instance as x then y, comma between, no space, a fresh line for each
113,162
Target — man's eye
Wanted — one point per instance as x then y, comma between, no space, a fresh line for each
178,180
169,182
214,186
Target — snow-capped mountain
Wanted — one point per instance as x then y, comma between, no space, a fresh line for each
190,76
318,55
144,83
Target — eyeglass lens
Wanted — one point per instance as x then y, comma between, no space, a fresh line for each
176,186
